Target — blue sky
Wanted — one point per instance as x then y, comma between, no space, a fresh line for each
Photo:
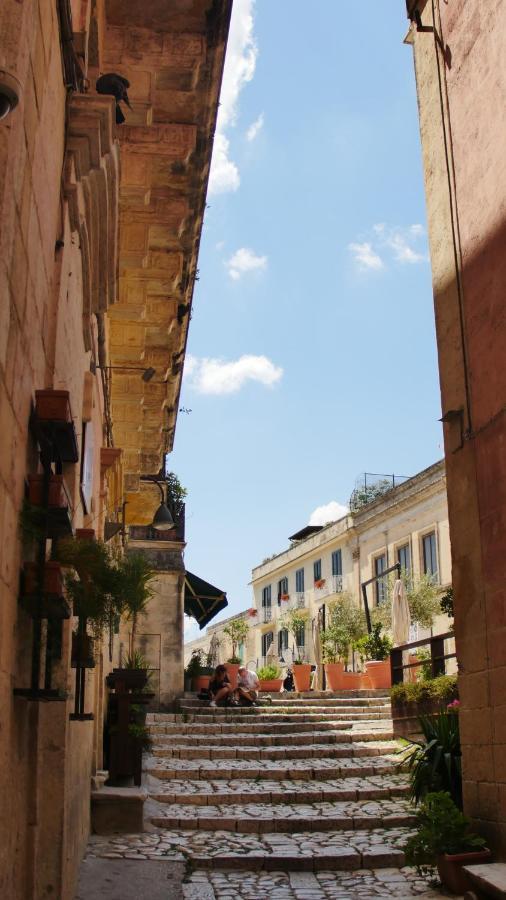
311,355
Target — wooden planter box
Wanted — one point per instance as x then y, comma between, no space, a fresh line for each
53,406
450,868
57,497
406,716
53,578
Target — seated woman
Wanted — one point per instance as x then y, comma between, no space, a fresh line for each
220,687
247,686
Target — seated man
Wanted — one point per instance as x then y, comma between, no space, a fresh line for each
220,687
247,686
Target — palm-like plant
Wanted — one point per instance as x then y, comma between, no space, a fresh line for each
136,575
435,764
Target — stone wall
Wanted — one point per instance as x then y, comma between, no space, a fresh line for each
461,80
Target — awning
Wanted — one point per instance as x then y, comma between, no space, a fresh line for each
202,600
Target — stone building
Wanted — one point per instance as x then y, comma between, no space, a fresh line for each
407,524
459,50
216,637
99,233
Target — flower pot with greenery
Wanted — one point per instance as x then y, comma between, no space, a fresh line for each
435,762
196,675
237,631
375,649
444,840
270,678
345,625
295,622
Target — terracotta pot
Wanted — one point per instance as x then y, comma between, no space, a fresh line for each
302,676
201,683
411,674
334,676
56,496
53,406
450,868
352,681
365,682
379,673
273,686
53,579
232,670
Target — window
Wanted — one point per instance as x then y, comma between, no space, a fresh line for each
430,555
299,581
282,640
317,570
337,563
282,588
380,564
404,557
267,640
266,596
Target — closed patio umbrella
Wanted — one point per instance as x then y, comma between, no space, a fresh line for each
401,619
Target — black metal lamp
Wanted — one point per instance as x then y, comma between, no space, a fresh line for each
163,519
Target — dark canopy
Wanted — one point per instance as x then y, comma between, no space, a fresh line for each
202,601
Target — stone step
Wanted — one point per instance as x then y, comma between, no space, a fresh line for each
205,769
300,708
314,695
205,793
252,727
336,703
314,751
239,715
244,739
375,848
259,818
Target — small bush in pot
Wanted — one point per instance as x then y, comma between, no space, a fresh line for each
444,840
435,764
270,678
375,648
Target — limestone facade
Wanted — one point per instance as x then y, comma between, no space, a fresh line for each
461,82
399,526
78,197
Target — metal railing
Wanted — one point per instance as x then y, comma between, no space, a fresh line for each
266,614
337,584
437,662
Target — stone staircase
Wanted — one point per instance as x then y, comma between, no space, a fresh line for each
299,797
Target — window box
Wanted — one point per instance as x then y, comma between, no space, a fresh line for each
57,497
320,583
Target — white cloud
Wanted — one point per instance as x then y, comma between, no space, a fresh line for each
240,62
255,128
331,512
244,260
401,244
365,256
216,376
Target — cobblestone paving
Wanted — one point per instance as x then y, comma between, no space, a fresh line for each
376,884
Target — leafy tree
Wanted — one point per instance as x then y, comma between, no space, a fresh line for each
237,630
295,622
346,624
365,494
176,494
423,600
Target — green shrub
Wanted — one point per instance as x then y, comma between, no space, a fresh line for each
269,673
375,645
435,763
442,828
442,689
194,665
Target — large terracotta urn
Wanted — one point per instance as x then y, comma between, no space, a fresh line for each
379,673
302,676
334,676
232,672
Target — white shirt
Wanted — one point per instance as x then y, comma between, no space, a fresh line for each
248,680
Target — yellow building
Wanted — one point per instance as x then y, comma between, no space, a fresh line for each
405,524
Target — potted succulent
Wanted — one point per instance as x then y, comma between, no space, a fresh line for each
444,840
270,678
295,622
237,631
375,649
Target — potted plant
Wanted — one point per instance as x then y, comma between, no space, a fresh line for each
345,625
237,631
195,677
132,675
284,597
252,613
435,762
270,678
136,576
295,622
444,840
319,583
375,649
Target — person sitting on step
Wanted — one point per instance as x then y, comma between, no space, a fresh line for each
247,687
220,688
